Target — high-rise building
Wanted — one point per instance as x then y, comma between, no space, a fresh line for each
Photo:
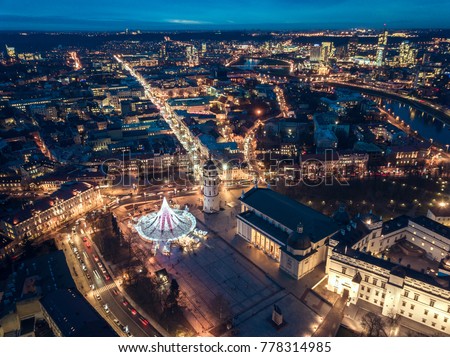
192,56
315,53
204,48
326,51
407,54
381,47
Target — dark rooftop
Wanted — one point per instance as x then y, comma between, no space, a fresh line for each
432,225
290,213
74,316
36,277
261,224
395,224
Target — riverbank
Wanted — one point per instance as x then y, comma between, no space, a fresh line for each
427,108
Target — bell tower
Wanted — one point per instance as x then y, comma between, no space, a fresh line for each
211,182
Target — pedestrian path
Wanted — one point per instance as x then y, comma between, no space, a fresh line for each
105,288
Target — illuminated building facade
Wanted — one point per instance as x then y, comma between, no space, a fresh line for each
291,233
44,215
326,51
407,54
381,48
359,266
315,53
192,57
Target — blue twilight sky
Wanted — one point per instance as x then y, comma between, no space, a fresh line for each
228,14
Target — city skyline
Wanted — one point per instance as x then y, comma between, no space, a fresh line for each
179,15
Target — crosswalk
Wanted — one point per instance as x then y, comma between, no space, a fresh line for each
105,288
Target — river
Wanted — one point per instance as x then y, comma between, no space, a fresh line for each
425,124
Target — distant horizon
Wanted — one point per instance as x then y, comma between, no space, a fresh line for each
176,15
243,29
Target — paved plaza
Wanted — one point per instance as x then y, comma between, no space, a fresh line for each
215,281
225,278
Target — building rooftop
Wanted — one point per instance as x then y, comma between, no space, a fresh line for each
74,316
434,226
175,102
36,277
395,224
290,213
264,225
65,192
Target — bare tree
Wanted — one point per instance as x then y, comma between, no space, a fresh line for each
393,319
373,325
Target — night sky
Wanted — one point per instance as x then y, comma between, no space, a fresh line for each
228,14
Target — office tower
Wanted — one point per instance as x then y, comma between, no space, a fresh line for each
326,51
381,47
315,53
407,54
192,55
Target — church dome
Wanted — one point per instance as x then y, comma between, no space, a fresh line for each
299,241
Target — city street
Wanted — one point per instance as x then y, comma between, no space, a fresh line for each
99,287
